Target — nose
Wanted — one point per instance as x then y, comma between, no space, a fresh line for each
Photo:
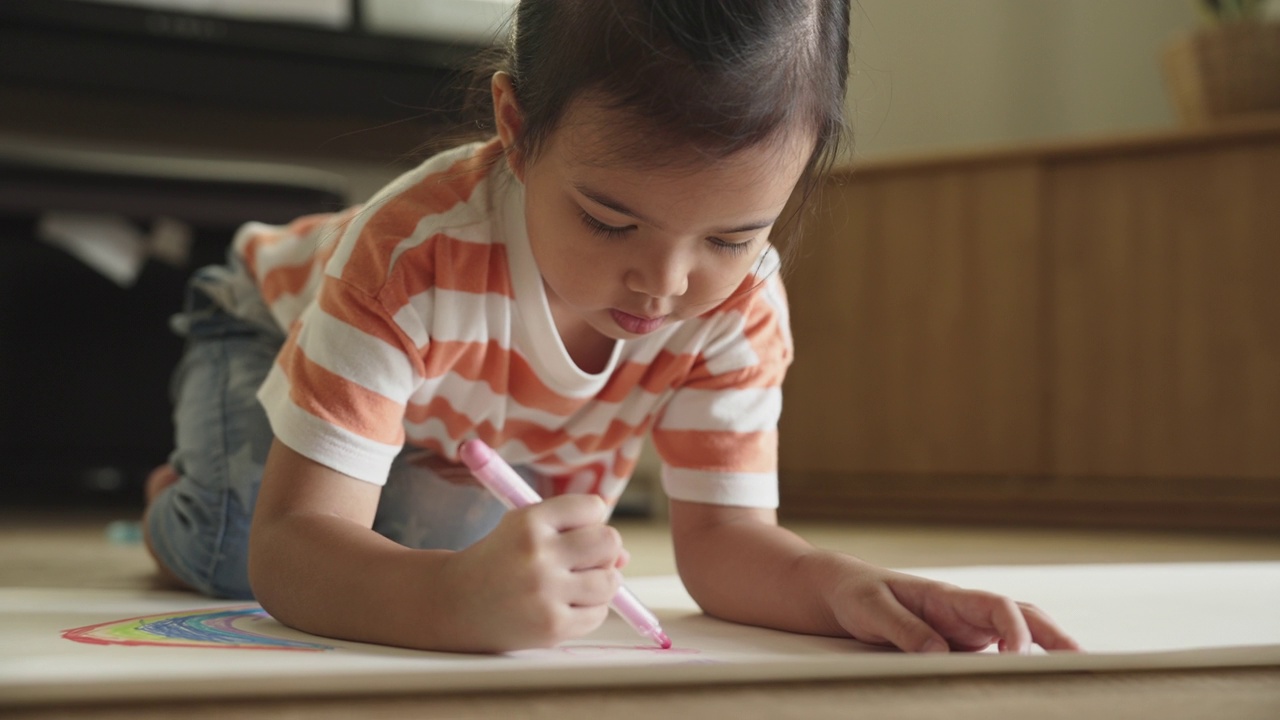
659,275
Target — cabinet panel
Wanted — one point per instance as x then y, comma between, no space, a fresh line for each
1082,334
917,323
1166,313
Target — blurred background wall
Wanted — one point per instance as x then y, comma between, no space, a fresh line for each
926,75
1035,295
938,74
162,78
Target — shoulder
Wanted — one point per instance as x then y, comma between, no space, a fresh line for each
441,183
749,334
420,218
449,189
758,307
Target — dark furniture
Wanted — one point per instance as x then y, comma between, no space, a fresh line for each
84,362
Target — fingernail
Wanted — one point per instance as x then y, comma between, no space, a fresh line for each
936,646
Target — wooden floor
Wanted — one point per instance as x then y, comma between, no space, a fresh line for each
62,550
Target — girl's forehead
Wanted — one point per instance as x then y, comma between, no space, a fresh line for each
748,167
689,193
595,136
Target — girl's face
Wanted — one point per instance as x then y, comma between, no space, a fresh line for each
626,251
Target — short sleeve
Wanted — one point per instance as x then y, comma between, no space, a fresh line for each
718,434
338,391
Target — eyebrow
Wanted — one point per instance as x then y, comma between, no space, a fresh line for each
617,206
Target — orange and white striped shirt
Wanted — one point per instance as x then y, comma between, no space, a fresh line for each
421,318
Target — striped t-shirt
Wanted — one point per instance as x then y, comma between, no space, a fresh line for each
420,318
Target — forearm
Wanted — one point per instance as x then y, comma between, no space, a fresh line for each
544,574
740,566
329,576
315,564
758,573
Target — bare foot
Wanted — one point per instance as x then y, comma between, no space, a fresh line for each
160,479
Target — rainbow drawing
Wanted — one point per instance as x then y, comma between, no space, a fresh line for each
223,628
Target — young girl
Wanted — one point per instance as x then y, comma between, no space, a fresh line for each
599,270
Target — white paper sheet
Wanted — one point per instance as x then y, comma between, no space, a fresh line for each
1129,616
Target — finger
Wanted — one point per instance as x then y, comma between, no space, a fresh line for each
591,588
901,627
624,558
1005,618
593,546
1045,632
584,620
560,623
566,512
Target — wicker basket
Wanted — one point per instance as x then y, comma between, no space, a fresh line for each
1225,71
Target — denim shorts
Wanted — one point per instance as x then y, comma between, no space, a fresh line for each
199,527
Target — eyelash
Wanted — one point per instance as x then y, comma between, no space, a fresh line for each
598,228
731,248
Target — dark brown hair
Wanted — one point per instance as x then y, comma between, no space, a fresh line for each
701,78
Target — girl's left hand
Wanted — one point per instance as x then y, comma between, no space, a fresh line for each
882,607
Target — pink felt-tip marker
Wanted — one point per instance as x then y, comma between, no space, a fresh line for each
498,478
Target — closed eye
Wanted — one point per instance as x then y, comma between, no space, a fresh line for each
599,228
733,248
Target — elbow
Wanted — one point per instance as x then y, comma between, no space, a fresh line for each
698,582
265,578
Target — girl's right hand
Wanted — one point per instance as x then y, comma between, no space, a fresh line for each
544,575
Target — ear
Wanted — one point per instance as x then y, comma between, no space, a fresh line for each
509,121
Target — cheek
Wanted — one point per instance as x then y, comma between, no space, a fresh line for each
573,266
720,279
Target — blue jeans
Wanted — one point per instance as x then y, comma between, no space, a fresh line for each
199,527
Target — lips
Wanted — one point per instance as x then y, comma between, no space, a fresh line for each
636,324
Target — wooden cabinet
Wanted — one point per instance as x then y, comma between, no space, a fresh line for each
1084,333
